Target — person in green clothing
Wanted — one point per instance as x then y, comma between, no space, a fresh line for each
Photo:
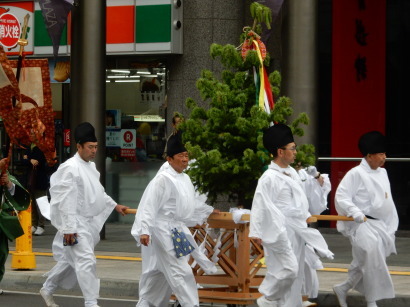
13,198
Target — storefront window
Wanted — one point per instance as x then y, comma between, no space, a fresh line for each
135,115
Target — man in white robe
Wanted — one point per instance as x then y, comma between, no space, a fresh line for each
365,192
317,187
79,208
278,220
168,203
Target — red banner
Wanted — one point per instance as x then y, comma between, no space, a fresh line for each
358,77
66,137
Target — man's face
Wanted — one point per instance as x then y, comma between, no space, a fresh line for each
287,153
179,162
376,160
178,120
87,150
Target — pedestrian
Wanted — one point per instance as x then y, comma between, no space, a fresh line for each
279,216
177,119
37,185
364,194
79,209
167,207
16,198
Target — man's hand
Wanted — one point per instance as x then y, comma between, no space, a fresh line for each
144,240
34,162
216,211
257,240
312,171
311,219
321,180
70,239
359,217
121,209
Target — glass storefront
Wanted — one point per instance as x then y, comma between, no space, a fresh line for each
135,132
136,109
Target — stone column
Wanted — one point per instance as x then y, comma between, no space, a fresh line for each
299,73
88,51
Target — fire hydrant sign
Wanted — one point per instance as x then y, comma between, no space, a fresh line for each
10,30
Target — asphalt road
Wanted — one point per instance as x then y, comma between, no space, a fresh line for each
24,299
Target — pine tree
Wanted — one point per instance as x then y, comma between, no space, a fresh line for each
226,138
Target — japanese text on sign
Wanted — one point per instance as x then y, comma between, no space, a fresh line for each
10,30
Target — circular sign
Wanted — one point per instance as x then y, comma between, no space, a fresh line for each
128,137
10,30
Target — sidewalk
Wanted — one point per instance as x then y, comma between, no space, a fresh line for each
119,267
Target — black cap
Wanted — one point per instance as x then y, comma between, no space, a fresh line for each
84,133
372,142
174,145
277,136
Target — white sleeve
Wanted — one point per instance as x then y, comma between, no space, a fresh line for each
64,201
201,212
155,195
267,221
345,194
317,194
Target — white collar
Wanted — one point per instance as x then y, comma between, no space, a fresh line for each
367,167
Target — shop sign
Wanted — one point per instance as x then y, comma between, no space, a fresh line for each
148,118
128,139
10,30
112,138
128,153
66,137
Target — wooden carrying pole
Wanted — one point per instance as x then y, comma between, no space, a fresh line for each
240,270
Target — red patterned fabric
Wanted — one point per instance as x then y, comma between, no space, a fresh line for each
28,121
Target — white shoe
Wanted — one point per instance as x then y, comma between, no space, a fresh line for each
39,231
264,302
371,304
33,229
48,298
341,294
1,292
308,304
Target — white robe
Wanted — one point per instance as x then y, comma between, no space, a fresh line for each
278,216
79,205
169,202
368,191
317,197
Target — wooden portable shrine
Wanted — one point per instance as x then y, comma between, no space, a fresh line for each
240,269
238,278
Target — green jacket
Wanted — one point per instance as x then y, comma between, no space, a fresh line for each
9,207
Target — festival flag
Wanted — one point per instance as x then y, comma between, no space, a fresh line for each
264,96
263,89
55,14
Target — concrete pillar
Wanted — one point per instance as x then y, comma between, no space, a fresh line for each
88,51
300,62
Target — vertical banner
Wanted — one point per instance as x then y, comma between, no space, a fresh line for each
358,78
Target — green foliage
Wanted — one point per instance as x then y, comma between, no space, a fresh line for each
305,156
261,14
225,138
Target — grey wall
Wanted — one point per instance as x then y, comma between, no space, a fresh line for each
205,22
